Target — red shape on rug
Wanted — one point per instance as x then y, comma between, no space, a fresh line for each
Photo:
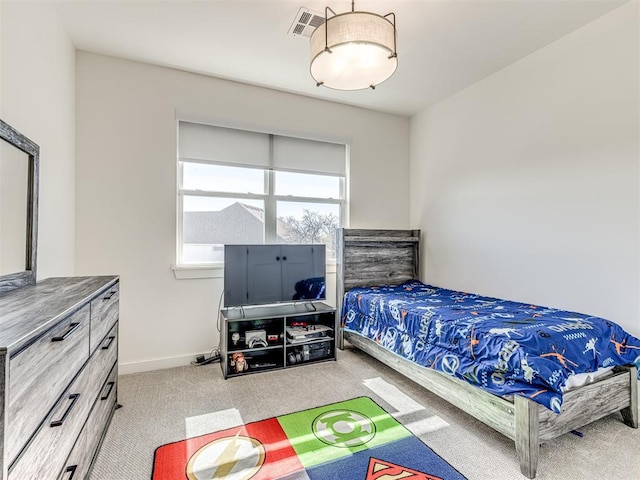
260,450
381,470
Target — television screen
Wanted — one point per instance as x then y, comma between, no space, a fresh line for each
262,274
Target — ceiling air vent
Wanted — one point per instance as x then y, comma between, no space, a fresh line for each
306,22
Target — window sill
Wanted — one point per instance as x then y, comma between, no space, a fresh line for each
214,270
189,272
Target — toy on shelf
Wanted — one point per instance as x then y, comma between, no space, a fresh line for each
239,362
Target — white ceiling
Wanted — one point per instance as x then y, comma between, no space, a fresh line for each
443,45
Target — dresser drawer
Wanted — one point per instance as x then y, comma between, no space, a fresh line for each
104,313
48,450
102,412
102,361
40,373
99,367
79,460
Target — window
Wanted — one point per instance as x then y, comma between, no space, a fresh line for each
245,187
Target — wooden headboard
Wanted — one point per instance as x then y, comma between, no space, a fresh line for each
375,257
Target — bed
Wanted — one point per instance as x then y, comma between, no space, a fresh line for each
378,258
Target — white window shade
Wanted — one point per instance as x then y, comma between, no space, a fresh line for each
226,145
308,155
239,147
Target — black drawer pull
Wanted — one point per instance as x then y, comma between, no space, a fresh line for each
72,327
74,399
106,395
109,295
70,469
109,342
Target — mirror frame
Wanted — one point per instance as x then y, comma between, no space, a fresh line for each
28,276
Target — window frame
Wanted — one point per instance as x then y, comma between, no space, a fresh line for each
270,200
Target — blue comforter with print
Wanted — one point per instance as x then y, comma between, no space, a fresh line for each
502,346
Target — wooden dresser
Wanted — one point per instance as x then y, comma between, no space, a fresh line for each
58,375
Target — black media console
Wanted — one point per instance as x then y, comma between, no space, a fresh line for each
267,337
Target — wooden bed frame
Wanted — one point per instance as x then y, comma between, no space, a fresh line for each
378,257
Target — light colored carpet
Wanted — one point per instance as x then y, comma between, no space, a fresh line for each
169,405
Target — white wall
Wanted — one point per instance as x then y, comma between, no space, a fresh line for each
37,97
526,183
126,187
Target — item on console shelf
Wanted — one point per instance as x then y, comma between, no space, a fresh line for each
255,338
239,362
308,353
264,365
311,332
235,338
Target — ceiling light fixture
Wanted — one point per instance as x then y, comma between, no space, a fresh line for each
354,50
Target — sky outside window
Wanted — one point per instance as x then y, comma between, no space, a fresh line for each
221,178
307,185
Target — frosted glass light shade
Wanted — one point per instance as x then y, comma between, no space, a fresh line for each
353,51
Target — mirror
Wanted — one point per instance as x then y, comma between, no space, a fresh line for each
19,158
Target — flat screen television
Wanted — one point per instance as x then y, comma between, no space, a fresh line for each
263,274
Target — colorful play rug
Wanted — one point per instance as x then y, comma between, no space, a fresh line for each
351,440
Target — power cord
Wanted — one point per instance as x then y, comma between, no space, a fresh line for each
213,357
219,310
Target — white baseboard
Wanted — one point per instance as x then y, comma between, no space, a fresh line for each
158,364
